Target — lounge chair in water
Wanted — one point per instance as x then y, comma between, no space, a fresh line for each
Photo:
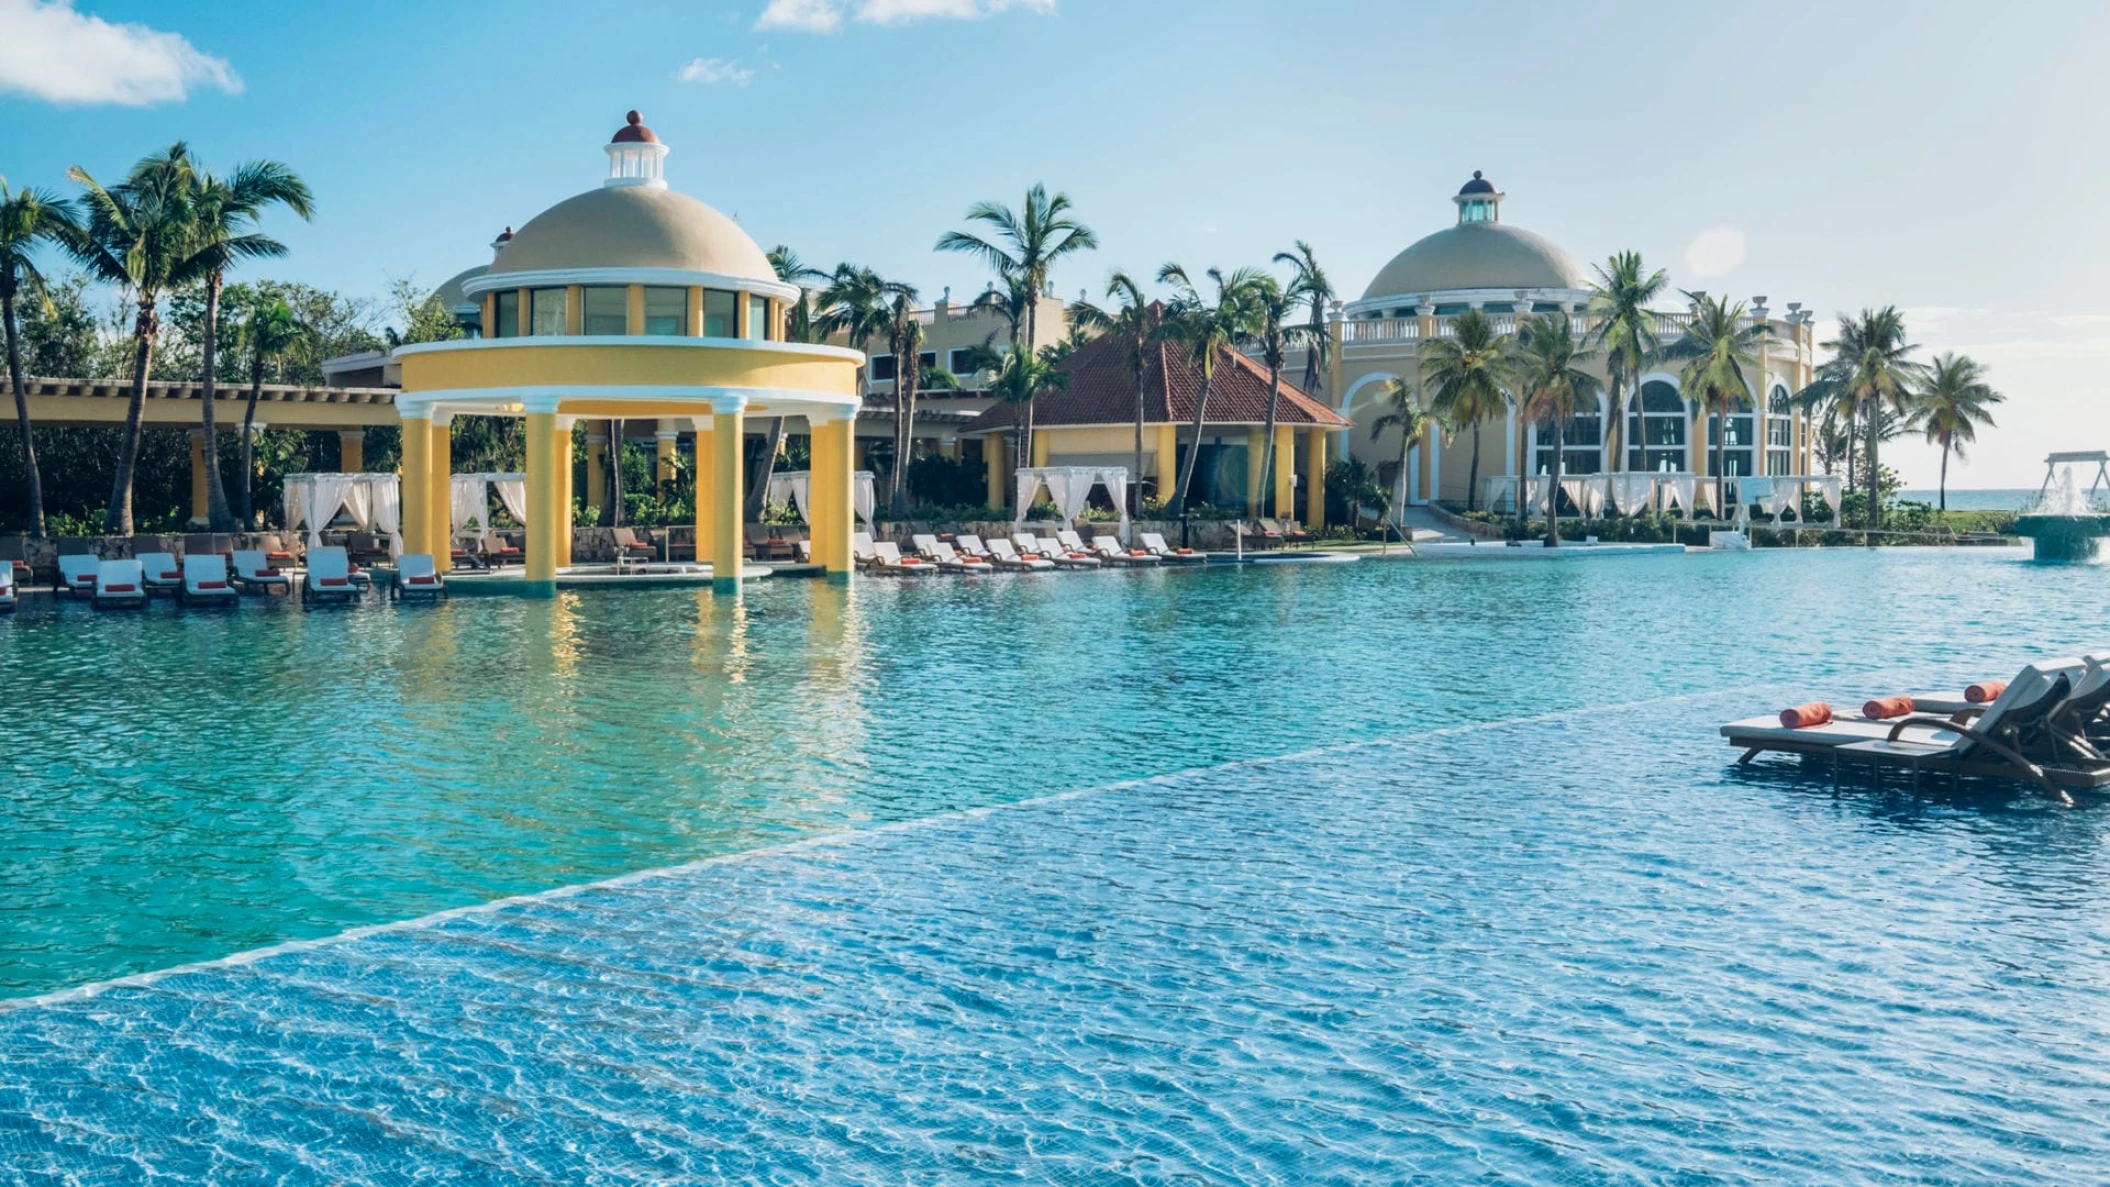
888,559
416,575
1111,549
7,589
205,581
329,575
77,573
120,585
1005,556
1154,544
255,574
2017,736
160,572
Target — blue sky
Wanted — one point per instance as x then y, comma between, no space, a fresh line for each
1930,155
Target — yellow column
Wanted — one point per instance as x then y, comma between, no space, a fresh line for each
1285,470
351,450
541,504
1255,462
200,503
560,461
993,465
634,307
1040,447
490,315
706,491
1315,478
669,446
526,321
695,328
596,474
574,309
728,435
830,490
1166,454
439,501
417,448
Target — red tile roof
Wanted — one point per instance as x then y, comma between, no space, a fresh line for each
1102,391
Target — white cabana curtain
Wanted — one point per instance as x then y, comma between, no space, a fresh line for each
388,513
864,495
1500,488
796,488
1630,493
512,494
469,502
1830,486
1070,489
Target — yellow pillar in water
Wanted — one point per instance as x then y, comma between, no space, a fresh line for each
1285,470
706,492
832,501
200,503
439,500
417,446
541,504
728,436
560,441
1314,478
596,474
993,465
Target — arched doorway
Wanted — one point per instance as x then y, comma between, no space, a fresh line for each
1655,433
1582,441
1780,431
1738,445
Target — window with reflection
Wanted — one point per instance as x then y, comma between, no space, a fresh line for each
505,319
666,312
548,317
758,326
607,311
718,308
1656,437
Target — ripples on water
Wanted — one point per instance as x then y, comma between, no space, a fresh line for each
1573,947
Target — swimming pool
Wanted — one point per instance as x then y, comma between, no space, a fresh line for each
1327,872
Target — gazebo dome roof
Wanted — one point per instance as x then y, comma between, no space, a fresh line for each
633,131
1477,256
634,226
449,294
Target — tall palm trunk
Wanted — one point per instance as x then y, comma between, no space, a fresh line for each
1523,459
1873,480
1553,486
1721,436
904,439
117,517
1472,475
30,476
1194,449
612,509
218,515
1943,490
256,391
1267,441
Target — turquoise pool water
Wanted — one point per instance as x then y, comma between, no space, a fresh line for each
1303,874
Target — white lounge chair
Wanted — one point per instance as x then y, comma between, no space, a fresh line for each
970,544
888,559
77,573
161,572
120,585
416,574
1111,549
1154,544
950,559
254,573
1007,557
7,589
1066,557
205,580
329,574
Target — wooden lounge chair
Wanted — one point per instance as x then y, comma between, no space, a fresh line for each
1110,548
763,545
360,548
160,572
329,575
631,548
254,574
416,575
463,552
120,584
206,583
500,551
77,573
280,550
1154,544
1266,533
1006,556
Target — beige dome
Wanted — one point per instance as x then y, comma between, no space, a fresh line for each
634,226
450,295
1477,256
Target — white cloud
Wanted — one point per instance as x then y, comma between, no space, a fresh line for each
714,71
826,16
51,52
1715,251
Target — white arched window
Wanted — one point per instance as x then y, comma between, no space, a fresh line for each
1780,432
1582,440
1655,433
1737,447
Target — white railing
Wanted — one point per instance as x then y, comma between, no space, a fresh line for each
1669,327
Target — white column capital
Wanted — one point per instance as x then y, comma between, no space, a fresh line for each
539,403
665,435
728,405
441,420
351,434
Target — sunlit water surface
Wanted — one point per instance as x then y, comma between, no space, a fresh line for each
1350,872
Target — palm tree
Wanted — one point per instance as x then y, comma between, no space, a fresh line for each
1413,421
29,218
1020,378
1950,406
1720,353
1206,328
1871,372
798,327
1308,283
141,235
270,331
1468,377
904,330
1135,322
1552,382
1626,332
1025,244
1270,306
225,210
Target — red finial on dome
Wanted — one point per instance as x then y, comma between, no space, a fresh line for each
505,234
634,131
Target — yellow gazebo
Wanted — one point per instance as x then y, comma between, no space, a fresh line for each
630,301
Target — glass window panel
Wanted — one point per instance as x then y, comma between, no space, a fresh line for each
607,311
549,312
506,321
666,312
718,313
882,368
758,317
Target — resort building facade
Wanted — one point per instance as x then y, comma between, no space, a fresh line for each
1486,263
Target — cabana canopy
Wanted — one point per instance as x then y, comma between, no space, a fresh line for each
795,487
375,502
469,496
1070,488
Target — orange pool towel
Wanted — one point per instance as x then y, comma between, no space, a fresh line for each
1885,708
1804,716
1985,692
